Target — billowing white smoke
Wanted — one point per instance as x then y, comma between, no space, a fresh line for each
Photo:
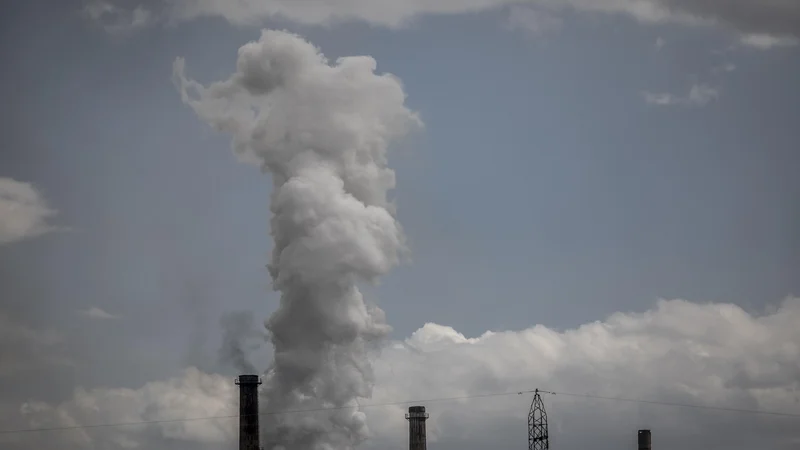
322,132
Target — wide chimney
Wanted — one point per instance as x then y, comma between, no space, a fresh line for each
248,412
645,442
416,428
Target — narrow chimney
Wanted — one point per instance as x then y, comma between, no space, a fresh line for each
416,428
644,440
248,411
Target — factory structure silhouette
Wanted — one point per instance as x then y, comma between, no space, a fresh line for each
538,438
249,438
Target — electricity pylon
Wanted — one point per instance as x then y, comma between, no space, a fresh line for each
537,425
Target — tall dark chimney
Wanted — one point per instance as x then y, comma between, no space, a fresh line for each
644,440
416,428
248,411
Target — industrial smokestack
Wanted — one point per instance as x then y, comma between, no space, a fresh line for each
417,439
644,440
248,412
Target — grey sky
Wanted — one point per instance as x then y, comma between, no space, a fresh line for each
563,175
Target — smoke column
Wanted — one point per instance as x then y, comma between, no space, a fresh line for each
238,329
321,130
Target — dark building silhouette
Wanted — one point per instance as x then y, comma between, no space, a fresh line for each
417,439
248,411
645,442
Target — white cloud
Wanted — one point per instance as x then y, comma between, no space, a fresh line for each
23,348
699,95
97,313
767,42
533,21
23,211
706,354
191,395
774,17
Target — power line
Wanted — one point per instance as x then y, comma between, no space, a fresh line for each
680,405
268,413
405,402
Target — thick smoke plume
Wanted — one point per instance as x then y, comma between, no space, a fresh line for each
321,130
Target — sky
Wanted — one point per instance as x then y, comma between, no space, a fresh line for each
597,197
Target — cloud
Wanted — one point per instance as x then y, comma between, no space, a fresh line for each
97,313
724,68
775,17
23,348
712,354
660,43
190,395
23,211
533,21
699,95
116,19
767,42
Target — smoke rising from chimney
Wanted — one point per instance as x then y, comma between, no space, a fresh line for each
238,335
321,130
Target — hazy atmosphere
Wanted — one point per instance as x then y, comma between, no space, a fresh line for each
375,203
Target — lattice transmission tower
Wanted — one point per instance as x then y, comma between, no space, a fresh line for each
537,425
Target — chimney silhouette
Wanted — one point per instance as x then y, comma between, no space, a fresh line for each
248,412
417,439
645,442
